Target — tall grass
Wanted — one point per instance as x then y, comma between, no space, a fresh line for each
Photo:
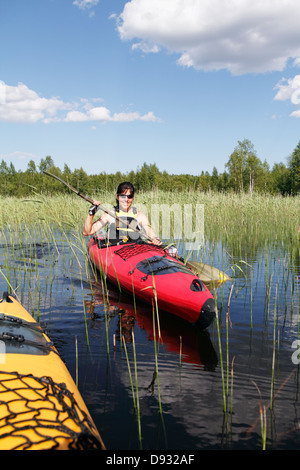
134,388
238,220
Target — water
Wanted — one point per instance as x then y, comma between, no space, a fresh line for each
181,407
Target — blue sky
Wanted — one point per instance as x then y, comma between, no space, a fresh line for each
107,85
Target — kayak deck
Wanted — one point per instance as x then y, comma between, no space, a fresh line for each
40,405
149,273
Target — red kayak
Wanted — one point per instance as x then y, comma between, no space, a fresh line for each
138,268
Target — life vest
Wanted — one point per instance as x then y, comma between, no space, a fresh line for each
119,232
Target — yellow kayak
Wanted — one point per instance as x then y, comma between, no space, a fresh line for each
40,406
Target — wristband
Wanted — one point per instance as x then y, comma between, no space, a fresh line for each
93,209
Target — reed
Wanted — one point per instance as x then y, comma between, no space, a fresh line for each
274,350
155,316
228,323
137,391
263,418
156,326
134,389
250,219
221,360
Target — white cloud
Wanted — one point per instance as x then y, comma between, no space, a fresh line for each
100,113
146,47
289,89
296,114
85,4
241,36
75,116
129,117
21,104
103,115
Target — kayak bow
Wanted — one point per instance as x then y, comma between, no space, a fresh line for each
40,405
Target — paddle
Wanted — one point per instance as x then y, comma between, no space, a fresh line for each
88,199
205,272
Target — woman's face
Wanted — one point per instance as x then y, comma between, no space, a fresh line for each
125,201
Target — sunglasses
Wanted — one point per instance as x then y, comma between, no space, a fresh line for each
129,196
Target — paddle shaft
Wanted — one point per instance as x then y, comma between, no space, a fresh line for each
88,199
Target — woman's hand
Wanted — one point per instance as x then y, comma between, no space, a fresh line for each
93,209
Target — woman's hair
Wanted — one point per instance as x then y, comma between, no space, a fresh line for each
123,187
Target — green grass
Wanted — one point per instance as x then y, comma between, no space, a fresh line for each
239,219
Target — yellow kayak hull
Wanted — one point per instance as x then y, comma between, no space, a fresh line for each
40,406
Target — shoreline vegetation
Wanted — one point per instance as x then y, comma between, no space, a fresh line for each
238,220
244,173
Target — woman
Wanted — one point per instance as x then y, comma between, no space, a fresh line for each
118,231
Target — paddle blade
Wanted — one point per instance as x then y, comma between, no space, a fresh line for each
207,273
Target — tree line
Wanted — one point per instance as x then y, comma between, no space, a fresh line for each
244,172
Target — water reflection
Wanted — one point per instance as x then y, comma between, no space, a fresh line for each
192,344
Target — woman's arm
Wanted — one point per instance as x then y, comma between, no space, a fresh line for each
91,227
145,224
